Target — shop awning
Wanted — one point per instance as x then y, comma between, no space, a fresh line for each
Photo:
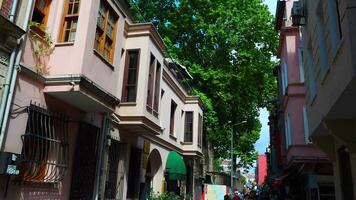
175,167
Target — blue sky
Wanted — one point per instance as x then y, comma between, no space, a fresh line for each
263,142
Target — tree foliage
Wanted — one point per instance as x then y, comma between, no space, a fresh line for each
227,46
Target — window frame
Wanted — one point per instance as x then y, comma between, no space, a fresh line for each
157,87
301,65
172,118
68,18
104,37
306,126
200,130
186,125
124,96
150,84
334,24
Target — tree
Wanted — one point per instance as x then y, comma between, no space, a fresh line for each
227,46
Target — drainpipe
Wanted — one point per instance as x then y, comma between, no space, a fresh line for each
14,63
103,136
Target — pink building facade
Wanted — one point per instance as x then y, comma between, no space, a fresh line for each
306,171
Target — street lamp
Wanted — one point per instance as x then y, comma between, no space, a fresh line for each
232,154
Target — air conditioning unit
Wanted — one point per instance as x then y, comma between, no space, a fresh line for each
298,16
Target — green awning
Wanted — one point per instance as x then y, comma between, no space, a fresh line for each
175,167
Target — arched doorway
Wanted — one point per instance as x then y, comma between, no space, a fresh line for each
154,174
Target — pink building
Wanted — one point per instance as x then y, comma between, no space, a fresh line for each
306,171
261,171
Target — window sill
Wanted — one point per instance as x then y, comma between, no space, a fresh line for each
128,104
103,59
172,137
186,143
62,44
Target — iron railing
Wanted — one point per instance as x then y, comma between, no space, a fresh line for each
45,146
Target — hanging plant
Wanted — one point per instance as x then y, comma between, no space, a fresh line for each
42,45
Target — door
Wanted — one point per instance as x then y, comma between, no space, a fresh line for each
85,161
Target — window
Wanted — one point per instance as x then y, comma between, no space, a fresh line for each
310,76
322,50
200,131
150,82
188,128
40,12
130,76
288,131
306,126
157,87
105,32
301,66
284,76
172,117
45,146
334,24
154,79
70,21
327,192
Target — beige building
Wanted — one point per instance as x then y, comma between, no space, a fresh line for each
329,30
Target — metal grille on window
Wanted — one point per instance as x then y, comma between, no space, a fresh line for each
45,146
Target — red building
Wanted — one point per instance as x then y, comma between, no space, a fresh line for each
261,169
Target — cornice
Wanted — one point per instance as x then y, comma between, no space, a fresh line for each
141,121
187,99
145,29
79,79
173,85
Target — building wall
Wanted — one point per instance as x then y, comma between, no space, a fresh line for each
261,169
5,6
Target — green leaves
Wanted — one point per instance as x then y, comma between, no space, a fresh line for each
227,46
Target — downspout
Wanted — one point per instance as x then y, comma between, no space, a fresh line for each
14,63
103,140
9,74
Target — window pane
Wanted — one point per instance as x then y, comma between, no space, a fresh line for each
71,36
66,35
132,76
97,40
70,8
131,93
76,8
74,24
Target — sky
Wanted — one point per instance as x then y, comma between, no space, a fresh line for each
263,142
